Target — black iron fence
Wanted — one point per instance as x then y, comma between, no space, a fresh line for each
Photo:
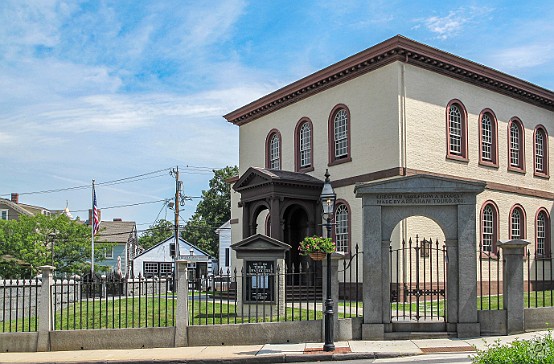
540,282
350,287
489,279
19,299
113,302
261,293
418,272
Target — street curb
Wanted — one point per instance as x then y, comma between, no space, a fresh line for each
273,358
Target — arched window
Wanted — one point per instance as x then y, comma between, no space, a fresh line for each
339,135
541,151
456,126
342,227
516,145
517,223
303,146
489,227
488,140
542,233
273,150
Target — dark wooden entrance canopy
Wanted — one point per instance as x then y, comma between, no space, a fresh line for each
280,192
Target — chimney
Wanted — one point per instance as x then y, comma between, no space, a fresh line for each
89,221
117,219
15,197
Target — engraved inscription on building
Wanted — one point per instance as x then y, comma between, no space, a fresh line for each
419,198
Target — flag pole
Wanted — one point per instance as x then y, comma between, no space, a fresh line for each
92,228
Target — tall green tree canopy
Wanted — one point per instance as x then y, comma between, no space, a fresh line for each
159,231
212,211
33,241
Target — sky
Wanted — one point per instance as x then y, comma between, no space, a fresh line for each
123,91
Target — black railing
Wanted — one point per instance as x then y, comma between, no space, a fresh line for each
19,302
418,274
350,290
540,282
491,268
269,294
112,302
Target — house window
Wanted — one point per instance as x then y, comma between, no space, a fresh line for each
3,214
303,145
542,231
456,130
150,269
166,269
339,135
489,230
108,252
227,255
541,151
273,154
517,223
342,227
488,130
516,146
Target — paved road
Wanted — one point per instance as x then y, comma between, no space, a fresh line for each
454,358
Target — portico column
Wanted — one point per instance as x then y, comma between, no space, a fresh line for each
246,220
274,211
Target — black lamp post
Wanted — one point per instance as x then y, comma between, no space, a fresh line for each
328,198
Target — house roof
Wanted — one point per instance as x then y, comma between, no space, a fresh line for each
256,176
115,231
16,207
401,49
172,238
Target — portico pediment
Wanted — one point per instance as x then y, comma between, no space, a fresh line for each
257,177
260,242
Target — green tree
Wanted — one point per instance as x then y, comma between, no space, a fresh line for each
33,241
159,231
212,211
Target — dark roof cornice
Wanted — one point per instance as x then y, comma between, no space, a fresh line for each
402,49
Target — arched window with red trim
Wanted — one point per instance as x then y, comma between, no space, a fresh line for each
303,146
517,222
273,150
342,227
516,146
488,138
339,135
542,233
489,227
540,151
456,130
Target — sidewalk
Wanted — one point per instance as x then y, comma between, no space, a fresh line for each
269,353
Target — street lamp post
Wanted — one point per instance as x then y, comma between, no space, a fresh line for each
328,198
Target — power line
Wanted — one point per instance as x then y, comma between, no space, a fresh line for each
120,206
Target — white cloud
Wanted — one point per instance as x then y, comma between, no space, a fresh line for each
452,24
527,56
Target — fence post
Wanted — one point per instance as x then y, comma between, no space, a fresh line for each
512,251
182,313
44,311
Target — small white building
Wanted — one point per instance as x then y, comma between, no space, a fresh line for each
224,232
159,260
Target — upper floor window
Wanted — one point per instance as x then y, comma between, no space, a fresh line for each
342,227
541,151
3,214
339,135
489,227
303,145
542,231
456,130
488,141
516,145
517,222
273,150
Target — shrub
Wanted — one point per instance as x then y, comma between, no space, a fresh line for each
536,351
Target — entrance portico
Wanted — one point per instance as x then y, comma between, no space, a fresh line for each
448,202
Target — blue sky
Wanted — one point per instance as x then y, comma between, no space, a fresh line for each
110,89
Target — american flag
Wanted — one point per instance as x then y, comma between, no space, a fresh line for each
95,213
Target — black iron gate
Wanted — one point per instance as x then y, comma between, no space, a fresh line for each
418,273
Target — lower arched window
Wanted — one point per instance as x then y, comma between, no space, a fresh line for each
489,227
542,232
517,222
342,228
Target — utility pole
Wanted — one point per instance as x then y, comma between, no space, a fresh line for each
175,172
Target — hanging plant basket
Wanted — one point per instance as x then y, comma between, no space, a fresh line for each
317,256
